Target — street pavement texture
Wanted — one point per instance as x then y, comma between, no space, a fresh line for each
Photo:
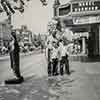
82,84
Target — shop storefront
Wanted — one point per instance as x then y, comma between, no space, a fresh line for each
82,16
81,39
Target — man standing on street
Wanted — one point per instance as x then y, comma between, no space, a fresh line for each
63,57
15,61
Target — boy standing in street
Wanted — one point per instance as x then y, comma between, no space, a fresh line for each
54,58
63,57
50,39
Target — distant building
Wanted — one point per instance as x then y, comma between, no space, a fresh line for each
24,36
5,32
27,37
82,17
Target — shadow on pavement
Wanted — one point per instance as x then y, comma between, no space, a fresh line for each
34,88
59,87
85,59
72,71
91,59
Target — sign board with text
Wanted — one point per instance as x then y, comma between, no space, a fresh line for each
86,20
82,7
89,6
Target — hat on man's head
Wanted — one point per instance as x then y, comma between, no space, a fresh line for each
13,33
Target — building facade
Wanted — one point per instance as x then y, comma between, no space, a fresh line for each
5,32
24,36
82,17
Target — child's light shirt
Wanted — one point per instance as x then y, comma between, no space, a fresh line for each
54,53
62,51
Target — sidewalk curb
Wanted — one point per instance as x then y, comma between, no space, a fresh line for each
21,55
4,58
84,58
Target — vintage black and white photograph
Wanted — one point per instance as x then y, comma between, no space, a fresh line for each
49,49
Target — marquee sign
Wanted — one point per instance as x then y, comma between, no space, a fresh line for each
86,20
64,10
84,6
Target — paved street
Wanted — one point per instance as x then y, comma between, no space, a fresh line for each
82,84
31,64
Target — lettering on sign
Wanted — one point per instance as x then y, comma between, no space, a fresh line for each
86,6
86,20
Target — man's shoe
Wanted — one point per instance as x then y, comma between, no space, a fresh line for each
68,73
56,74
21,79
14,81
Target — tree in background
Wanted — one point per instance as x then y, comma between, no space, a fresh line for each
11,6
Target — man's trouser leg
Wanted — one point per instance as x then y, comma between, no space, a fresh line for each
61,66
49,68
11,60
55,63
17,65
67,66
49,63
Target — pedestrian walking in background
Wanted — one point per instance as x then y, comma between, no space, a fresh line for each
15,59
63,58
